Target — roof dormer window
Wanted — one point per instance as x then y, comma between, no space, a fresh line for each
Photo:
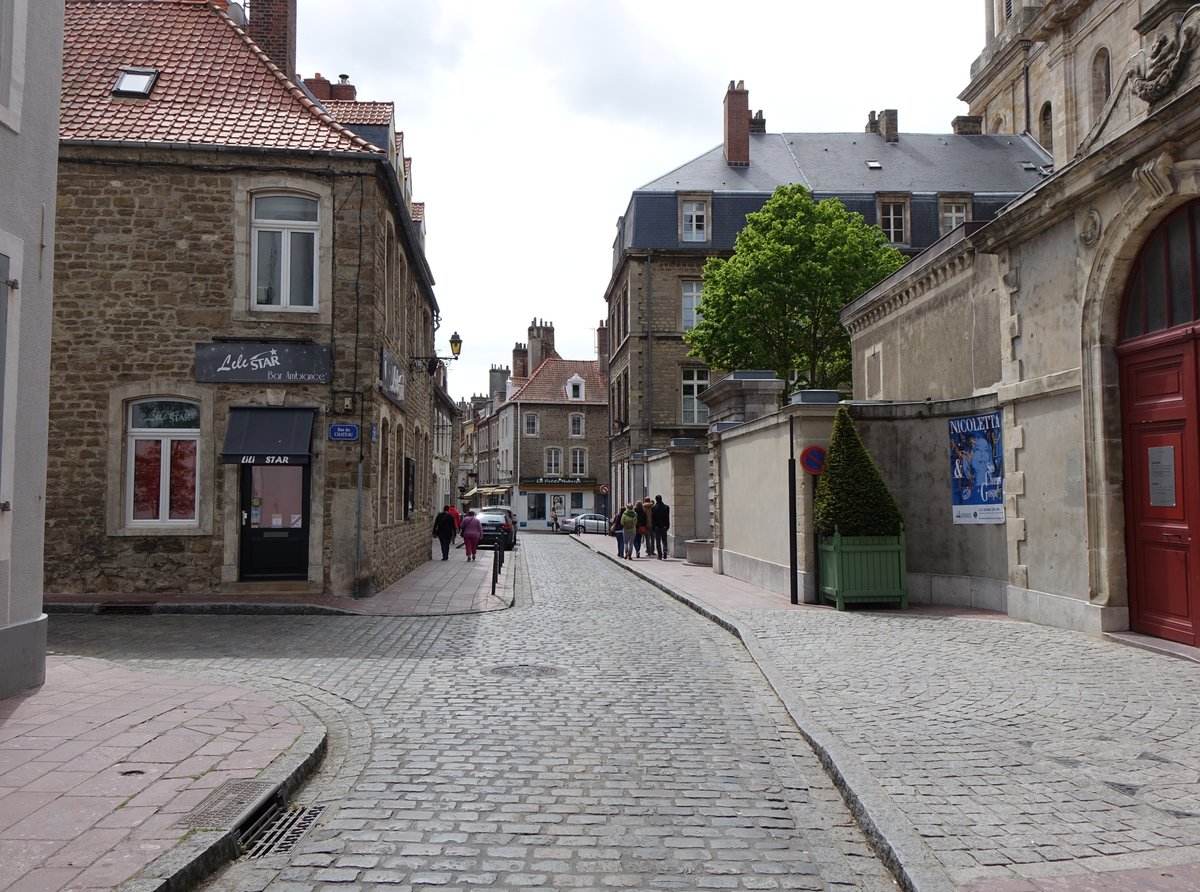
575,389
135,82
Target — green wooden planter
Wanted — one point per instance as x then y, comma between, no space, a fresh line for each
863,569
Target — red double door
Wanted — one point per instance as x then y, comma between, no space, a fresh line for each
1159,397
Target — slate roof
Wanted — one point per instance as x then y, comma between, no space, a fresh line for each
548,383
835,163
215,86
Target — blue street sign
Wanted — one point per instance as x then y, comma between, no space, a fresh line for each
812,459
344,432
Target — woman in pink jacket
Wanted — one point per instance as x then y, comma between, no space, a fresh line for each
472,531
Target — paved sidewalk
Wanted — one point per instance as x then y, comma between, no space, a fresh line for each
980,752
436,588
108,774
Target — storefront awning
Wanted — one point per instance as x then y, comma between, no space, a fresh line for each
473,491
268,436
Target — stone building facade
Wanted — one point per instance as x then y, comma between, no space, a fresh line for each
241,397
30,63
917,187
1075,312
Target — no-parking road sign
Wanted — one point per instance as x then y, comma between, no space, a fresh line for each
812,459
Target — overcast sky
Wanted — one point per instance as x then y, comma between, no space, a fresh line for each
529,123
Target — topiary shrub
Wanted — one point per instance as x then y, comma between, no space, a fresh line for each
851,495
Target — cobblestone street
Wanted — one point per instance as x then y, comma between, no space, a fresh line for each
598,735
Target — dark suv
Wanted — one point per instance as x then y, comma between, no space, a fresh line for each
497,529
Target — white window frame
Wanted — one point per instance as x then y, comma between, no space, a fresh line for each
693,382
576,388
536,424
579,461
576,424
165,437
949,219
14,18
694,219
691,293
887,218
553,461
286,229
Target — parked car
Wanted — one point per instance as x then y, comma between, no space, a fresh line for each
506,511
584,523
497,530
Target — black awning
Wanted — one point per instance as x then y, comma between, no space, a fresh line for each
265,436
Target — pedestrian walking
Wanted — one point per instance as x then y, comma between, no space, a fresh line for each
629,528
554,520
457,521
472,532
618,531
660,520
641,531
443,528
646,506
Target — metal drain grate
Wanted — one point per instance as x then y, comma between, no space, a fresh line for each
226,804
282,834
525,670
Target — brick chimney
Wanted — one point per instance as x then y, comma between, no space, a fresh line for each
541,343
343,90
520,360
737,125
318,86
758,124
971,125
272,26
889,126
872,123
497,380
602,343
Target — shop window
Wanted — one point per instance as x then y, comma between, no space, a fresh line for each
162,445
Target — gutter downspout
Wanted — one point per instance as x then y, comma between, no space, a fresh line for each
649,354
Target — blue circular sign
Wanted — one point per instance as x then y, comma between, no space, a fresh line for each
812,459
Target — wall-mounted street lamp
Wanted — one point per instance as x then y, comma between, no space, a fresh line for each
430,363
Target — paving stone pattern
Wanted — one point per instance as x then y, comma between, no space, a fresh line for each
597,736
1008,746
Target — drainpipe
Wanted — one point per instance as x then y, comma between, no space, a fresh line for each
649,350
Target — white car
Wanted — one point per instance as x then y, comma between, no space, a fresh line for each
584,523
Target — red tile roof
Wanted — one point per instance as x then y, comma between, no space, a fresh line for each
373,113
215,86
548,383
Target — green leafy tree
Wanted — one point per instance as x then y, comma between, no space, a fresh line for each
852,496
775,303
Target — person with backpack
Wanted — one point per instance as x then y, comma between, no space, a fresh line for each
629,528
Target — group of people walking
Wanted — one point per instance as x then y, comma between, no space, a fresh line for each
642,523
449,524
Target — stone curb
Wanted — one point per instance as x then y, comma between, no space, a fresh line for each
898,843
202,853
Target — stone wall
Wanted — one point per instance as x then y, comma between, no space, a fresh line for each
151,262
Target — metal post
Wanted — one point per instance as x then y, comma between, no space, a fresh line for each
792,556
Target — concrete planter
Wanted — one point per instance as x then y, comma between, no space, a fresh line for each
699,551
863,569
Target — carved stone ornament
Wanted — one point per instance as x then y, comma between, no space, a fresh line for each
1089,232
1154,177
1168,57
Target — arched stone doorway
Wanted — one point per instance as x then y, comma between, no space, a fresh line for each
1159,356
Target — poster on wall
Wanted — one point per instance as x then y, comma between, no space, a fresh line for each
977,469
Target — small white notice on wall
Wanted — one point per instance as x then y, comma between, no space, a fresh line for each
1162,476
